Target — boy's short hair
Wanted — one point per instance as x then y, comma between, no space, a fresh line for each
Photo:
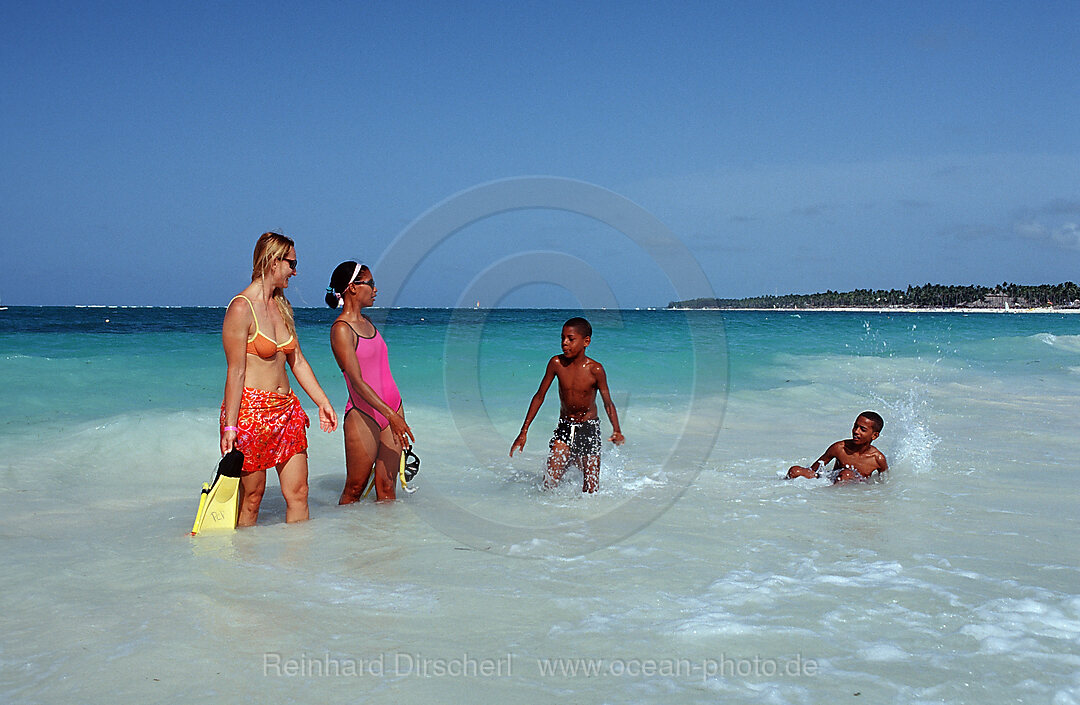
875,419
580,325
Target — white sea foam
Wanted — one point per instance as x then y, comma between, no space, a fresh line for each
1065,343
884,652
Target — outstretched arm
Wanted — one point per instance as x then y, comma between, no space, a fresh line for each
305,376
234,332
609,406
826,457
343,344
534,407
815,467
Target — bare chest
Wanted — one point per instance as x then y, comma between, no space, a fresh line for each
578,377
859,461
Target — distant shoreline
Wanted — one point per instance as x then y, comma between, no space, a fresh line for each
867,309
786,309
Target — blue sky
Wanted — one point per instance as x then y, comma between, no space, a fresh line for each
792,147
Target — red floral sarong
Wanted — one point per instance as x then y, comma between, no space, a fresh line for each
272,428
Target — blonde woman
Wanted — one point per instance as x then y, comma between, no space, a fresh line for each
260,414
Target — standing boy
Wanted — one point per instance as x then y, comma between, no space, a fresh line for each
578,434
856,458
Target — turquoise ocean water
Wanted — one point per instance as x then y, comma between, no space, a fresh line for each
694,575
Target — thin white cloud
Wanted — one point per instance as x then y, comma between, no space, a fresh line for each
1068,236
1061,206
1052,224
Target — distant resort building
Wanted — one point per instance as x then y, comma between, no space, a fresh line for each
999,301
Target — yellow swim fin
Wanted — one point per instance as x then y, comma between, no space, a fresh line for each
222,506
202,508
219,503
370,485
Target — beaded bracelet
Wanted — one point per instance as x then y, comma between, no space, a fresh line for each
231,428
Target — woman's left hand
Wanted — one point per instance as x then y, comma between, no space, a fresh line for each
402,433
327,417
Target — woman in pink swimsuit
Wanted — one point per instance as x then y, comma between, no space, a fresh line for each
375,428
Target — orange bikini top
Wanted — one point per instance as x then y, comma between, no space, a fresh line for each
261,344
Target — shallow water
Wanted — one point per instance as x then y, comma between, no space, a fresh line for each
695,574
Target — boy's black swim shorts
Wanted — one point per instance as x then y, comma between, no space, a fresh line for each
583,437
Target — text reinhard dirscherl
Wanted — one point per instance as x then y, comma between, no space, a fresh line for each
466,666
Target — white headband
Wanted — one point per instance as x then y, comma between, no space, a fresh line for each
351,280
355,274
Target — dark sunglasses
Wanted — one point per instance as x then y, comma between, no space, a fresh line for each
369,282
292,262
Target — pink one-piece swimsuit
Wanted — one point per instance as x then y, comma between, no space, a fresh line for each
374,360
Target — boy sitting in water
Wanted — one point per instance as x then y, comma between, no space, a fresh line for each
578,434
856,458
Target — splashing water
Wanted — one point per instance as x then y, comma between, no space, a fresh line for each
911,412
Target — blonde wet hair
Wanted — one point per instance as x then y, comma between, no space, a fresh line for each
270,248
